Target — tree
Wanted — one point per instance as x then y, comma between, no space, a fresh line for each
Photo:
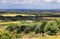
33,27
18,30
23,27
6,35
58,23
27,30
51,28
10,28
41,28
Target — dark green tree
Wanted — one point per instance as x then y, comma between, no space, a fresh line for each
51,28
41,28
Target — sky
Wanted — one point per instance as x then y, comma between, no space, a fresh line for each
29,4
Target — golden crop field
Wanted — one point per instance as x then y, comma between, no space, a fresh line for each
9,14
14,22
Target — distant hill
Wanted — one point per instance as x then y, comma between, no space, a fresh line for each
29,10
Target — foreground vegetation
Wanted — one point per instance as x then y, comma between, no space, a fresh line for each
31,29
30,25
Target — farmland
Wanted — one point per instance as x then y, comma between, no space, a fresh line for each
30,26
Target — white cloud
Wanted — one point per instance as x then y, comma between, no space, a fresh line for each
4,1
21,1
27,1
36,2
58,0
18,1
48,0
15,2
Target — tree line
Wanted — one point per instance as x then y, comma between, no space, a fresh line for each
19,17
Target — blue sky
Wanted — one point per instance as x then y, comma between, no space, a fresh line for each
29,4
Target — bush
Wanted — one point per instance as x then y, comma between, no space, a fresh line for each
58,22
41,28
33,27
23,27
10,28
18,30
18,36
27,30
37,29
16,27
51,28
6,36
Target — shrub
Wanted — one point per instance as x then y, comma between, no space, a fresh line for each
18,30
10,28
27,30
18,36
33,27
23,27
6,35
51,28
58,23
41,28
16,27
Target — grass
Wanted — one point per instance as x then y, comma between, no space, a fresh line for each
10,23
7,23
38,36
49,37
10,14
41,37
16,22
30,35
